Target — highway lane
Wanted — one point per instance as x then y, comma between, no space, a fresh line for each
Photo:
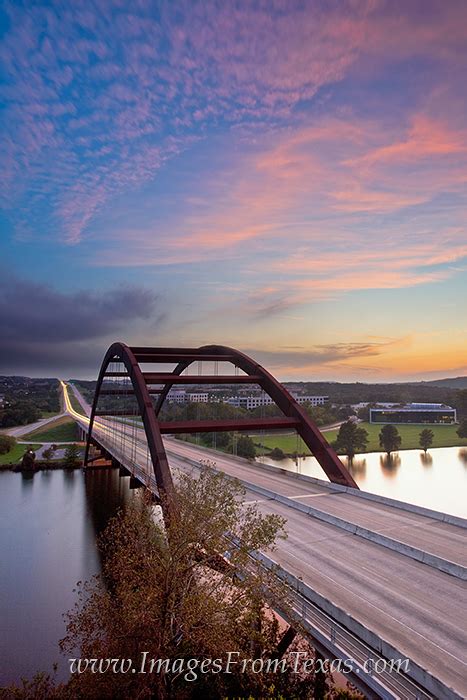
441,539
67,401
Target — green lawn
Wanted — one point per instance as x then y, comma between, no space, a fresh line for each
444,436
61,430
15,455
49,414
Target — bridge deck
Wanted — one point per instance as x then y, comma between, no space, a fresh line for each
415,607
439,538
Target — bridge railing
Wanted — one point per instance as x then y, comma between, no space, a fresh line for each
376,664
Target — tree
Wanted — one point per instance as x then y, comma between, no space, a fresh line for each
389,438
7,442
48,455
426,439
351,439
246,447
460,401
462,429
72,457
168,593
29,460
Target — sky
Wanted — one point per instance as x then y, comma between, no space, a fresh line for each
285,177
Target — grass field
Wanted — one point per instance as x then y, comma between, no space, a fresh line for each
60,430
49,414
15,455
444,436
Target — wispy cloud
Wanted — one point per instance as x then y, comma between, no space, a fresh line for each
99,100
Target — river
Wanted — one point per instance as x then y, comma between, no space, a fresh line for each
436,480
49,522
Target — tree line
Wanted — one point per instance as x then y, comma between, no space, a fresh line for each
352,438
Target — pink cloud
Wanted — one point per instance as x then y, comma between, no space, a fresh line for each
129,79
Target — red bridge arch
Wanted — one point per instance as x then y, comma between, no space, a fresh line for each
294,416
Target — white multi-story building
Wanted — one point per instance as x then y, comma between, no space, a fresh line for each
250,402
198,397
177,396
312,400
180,396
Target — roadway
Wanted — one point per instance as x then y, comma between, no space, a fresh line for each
418,609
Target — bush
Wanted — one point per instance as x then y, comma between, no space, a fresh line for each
72,457
6,444
246,447
277,453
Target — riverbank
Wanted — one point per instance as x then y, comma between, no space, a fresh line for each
444,436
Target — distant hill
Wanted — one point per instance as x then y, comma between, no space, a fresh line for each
449,383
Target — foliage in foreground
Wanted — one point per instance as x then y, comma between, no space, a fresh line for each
168,593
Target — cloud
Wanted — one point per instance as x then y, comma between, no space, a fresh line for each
43,328
100,98
291,361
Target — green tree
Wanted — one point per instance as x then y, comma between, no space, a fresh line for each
7,442
462,429
72,457
426,439
351,439
389,438
246,447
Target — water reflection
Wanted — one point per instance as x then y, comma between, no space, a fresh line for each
69,479
357,467
48,526
426,459
27,478
390,463
437,481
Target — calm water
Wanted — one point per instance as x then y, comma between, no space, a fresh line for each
436,480
49,522
48,526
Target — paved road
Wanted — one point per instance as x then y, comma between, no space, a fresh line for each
429,534
24,429
86,408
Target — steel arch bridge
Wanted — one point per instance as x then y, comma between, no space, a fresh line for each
122,368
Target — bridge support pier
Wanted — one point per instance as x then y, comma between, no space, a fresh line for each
284,642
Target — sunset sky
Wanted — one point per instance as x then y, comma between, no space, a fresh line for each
289,178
